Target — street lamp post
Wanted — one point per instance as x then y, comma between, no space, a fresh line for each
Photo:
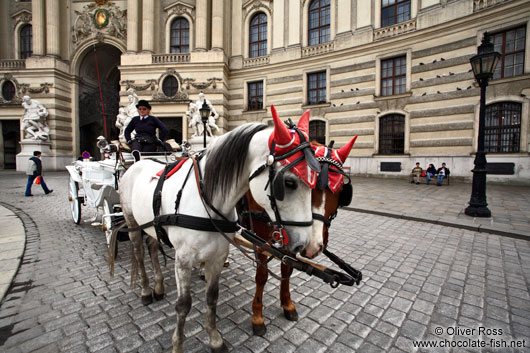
483,65
205,113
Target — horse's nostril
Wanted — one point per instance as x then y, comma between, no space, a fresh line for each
303,252
298,249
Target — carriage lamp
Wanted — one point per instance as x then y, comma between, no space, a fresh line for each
483,65
205,113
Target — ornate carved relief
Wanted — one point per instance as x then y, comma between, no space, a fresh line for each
150,84
159,93
99,19
482,4
202,85
22,16
180,8
21,89
252,5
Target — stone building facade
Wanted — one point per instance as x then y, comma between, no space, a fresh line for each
394,72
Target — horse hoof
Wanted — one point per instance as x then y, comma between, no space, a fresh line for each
222,349
290,315
159,296
259,330
147,299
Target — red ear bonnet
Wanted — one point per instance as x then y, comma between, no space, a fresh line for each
335,180
286,140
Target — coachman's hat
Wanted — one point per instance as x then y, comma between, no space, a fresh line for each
143,103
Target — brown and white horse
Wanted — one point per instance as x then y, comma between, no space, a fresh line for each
331,194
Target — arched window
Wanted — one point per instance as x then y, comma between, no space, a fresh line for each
319,23
317,131
26,42
392,134
258,35
8,90
502,133
170,86
180,36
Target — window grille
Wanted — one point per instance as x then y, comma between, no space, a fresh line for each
8,90
502,133
392,134
170,86
317,131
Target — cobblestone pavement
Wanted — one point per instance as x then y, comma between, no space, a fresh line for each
418,278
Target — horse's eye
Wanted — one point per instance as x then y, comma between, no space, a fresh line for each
291,184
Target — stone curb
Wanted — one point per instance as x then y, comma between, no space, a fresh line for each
511,233
12,245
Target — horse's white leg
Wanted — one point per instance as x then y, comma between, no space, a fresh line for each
183,305
213,272
152,245
138,251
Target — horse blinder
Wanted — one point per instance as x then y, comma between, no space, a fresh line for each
345,195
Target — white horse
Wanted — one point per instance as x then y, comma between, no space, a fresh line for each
235,163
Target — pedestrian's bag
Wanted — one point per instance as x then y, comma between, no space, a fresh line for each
37,180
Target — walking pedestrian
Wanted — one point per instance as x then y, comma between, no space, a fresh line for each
33,171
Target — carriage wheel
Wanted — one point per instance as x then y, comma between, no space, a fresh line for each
75,201
107,223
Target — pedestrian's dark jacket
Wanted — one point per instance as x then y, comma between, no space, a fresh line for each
431,170
39,165
146,128
447,172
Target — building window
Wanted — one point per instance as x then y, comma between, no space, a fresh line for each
503,128
393,76
8,90
258,35
316,88
394,11
392,134
26,42
511,45
317,131
170,86
180,36
319,22
255,95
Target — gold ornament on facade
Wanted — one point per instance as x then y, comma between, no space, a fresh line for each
101,18
109,20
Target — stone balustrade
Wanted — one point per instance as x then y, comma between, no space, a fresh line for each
258,61
317,49
171,58
483,4
394,30
12,64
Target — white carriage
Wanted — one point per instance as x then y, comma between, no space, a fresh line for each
94,184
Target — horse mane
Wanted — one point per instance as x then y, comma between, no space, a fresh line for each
226,158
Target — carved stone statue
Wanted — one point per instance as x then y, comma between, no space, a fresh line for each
122,120
34,125
213,114
131,110
195,121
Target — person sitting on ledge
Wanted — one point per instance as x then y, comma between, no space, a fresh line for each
431,172
443,172
416,172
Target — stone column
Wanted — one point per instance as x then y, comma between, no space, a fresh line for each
218,9
52,28
201,28
294,23
148,25
37,27
132,26
278,25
